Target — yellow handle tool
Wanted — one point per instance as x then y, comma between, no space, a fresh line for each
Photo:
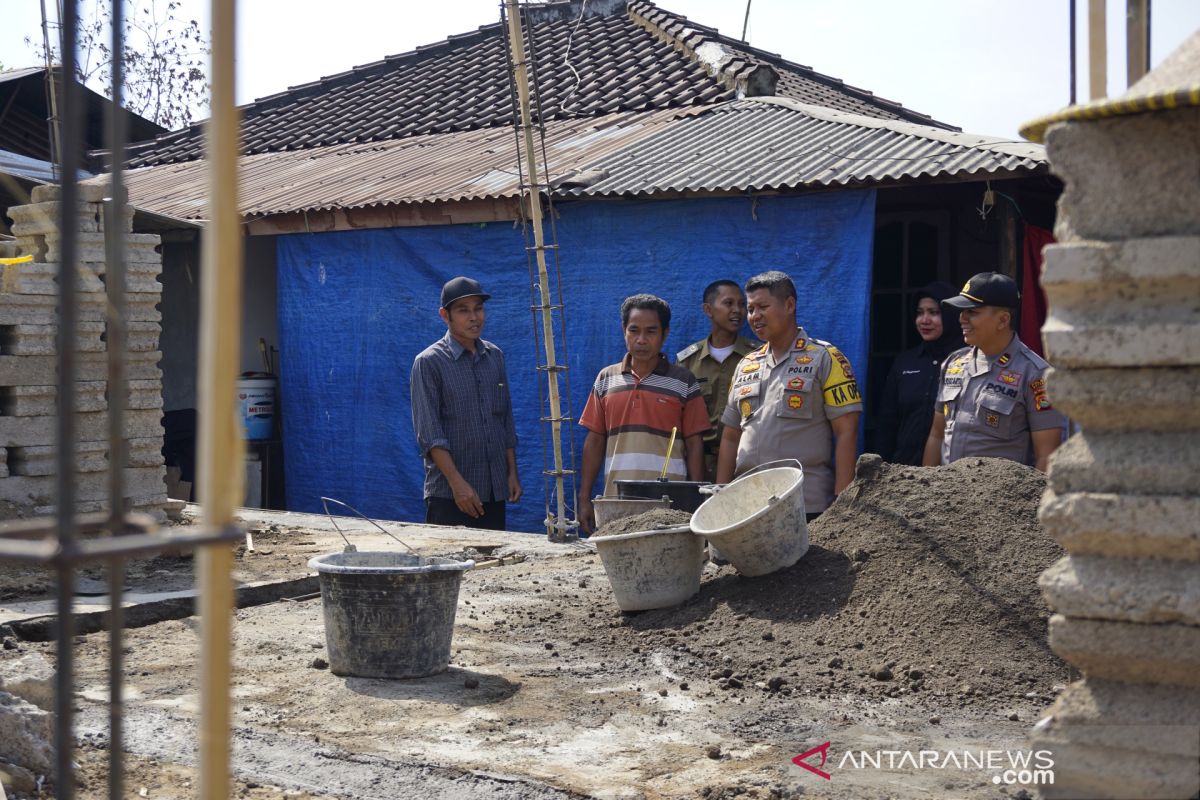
667,461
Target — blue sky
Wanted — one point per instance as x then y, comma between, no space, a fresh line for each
985,65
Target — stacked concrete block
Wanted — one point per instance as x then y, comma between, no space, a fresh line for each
28,366
1123,496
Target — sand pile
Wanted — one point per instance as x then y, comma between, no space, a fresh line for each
918,580
655,519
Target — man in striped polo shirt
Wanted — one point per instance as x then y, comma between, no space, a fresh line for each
633,406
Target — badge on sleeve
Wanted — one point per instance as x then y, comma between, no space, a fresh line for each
745,408
795,401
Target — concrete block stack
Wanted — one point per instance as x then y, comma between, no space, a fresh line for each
1123,335
28,376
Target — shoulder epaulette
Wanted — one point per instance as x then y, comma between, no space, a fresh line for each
759,354
689,350
1037,360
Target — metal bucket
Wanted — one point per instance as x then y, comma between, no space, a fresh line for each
388,615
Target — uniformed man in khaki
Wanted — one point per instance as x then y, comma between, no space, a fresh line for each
992,398
795,397
714,358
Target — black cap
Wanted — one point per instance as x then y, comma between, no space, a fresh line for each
987,289
460,287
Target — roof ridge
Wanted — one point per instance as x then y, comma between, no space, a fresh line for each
643,9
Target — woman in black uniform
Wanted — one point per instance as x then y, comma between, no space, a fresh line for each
907,408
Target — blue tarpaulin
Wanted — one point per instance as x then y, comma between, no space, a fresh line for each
355,307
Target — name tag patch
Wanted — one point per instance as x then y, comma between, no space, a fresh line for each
997,388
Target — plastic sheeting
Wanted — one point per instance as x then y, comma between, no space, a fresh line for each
355,307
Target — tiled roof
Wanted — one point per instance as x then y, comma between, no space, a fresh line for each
628,57
763,143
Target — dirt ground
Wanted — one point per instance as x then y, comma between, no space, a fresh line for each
913,623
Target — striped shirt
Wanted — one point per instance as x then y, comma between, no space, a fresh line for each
635,415
461,402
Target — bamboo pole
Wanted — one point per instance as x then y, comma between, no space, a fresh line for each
220,468
1097,50
533,194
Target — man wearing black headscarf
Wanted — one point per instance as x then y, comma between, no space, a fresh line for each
906,411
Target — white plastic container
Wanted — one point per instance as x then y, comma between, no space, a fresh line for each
652,569
757,522
608,509
256,404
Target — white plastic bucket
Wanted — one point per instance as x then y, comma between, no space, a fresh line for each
757,521
608,509
652,569
256,405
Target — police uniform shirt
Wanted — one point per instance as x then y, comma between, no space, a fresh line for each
715,378
992,404
784,409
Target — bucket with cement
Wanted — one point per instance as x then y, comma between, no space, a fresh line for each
757,521
652,569
608,509
388,615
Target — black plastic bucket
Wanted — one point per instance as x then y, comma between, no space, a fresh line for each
388,615
685,495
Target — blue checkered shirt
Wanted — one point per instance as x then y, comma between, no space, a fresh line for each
461,401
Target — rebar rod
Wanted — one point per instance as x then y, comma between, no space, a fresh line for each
68,314
117,335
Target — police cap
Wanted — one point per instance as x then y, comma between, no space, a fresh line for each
987,289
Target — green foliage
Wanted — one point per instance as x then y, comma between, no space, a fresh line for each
165,60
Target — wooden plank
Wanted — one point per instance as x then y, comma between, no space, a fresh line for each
1097,50
408,215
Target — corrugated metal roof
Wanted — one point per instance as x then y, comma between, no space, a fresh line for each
777,143
31,169
752,144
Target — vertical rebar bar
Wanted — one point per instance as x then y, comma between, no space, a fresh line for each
118,395
68,313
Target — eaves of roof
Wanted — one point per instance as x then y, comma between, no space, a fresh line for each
747,145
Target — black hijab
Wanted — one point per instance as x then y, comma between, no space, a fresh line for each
951,338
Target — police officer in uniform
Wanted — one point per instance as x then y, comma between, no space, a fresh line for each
992,398
795,397
713,359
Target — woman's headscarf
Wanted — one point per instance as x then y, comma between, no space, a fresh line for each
951,338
